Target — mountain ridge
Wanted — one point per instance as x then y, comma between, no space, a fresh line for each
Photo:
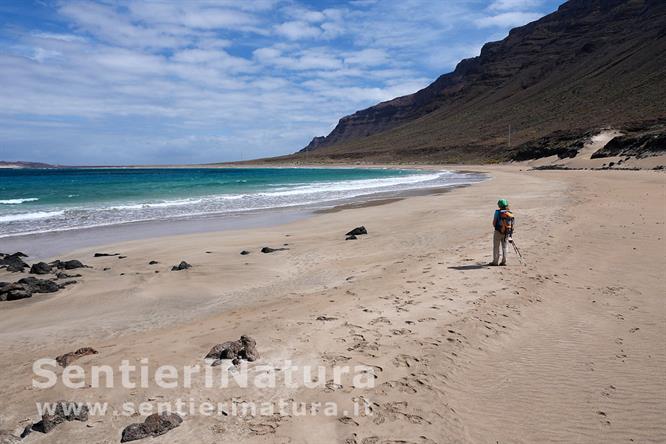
590,64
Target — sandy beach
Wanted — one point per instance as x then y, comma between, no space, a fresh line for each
566,348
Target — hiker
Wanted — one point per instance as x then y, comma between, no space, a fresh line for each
503,224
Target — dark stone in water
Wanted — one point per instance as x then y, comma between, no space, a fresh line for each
357,231
182,266
105,254
244,252
154,425
153,263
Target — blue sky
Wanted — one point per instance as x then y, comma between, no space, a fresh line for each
137,82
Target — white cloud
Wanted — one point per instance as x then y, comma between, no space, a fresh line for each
193,81
514,5
507,19
297,30
367,57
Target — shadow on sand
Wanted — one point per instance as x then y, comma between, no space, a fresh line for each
469,267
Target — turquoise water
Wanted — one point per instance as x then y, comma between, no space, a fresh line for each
36,201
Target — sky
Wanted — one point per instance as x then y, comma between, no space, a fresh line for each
159,82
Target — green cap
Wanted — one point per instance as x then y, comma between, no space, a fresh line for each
503,203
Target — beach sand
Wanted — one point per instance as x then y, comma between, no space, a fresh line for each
567,348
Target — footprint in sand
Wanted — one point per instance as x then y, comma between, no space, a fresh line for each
403,360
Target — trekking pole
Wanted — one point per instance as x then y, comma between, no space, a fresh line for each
515,247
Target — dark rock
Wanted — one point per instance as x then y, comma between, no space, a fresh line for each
64,411
40,268
249,350
326,318
67,358
63,275
649,142
106,269
13,262
564,144
26,431
68,265
244,348
35,285
122,257
105,254
352,237
14,292
153,263
272,250
154,425
244,252
182,266
357,231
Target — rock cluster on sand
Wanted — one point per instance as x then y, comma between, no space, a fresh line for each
244,348
67,358
25,287
154,425
64,411
13,262
182,266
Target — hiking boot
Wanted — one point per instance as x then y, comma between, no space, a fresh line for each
503,264
491,264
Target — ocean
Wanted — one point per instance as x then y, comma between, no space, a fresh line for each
46,200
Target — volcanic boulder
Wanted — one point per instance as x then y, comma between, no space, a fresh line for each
244,348
68,358
63,411
154,425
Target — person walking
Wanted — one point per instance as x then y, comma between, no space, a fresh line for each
503,222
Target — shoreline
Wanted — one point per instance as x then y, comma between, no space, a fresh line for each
461,352
48,244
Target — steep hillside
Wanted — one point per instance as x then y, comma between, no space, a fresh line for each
590,64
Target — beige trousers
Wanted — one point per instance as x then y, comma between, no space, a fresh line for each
499,239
